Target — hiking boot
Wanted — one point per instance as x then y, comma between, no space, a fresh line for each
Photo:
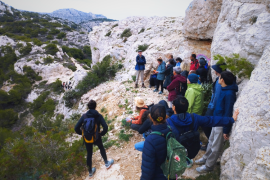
203,169
200,161
91,174
109,163
189,163
136,85
143,86
160,92
155,90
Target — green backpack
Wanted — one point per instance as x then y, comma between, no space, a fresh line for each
176,160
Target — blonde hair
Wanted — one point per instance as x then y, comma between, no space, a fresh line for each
185,66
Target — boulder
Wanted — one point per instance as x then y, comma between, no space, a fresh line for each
201,19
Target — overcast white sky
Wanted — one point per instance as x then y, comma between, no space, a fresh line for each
114,9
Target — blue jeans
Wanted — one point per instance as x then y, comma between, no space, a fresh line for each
139,146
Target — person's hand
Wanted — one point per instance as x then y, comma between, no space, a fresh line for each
235,114
226,136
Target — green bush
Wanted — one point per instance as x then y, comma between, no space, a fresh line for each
26,49
73,52
103,110
143,47
48,60
108,33
70,66
31,74
125,124
49,37
51,49
207,92
5,134
114,26
237,65
141,31
57,86
61,35
8,117
37,42
87,52
54,31
134,78
126,33
124,137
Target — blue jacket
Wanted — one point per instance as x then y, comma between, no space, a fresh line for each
215,95
183,121
225,102
154,154
161,71
140,63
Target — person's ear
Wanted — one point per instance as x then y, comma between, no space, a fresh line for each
173,108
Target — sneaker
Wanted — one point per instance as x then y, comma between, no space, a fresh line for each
155,90
143,86
200,161
109,163
203,169
160,92
189,163
91,174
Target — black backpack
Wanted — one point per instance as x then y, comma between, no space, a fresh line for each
182,89
90,129
190,139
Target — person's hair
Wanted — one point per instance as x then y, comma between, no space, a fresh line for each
194,56
177,70
138,108
159,59
171,61
171,56
181,104
179,59
192,72
185,66
158,113
145,115
228,77
92,104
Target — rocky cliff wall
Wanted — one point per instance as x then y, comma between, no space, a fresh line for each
164,36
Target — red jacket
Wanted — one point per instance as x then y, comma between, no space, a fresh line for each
174,87
194,65
138,119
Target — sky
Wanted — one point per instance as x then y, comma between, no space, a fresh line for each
113,9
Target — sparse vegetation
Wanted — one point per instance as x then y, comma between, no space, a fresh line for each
126,33
143,47
253,19
70,66
48,60
51,49
114,26
141,31
26,49
124,137
108,33
134,78
103,110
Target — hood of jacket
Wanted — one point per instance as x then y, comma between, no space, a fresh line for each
169,66
181,120
232,87
180,78
92,113
195,86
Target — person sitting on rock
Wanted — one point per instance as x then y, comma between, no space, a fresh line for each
174,88
185,69
194,95
155,146
178,61
136,122
99,120
140,67
201,71
194,62
160,75
224,108
181,120
168,73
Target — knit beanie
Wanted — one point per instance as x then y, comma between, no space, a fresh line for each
217,68
193,78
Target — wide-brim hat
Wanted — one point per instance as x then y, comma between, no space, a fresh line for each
139,102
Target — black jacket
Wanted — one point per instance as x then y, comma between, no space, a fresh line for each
202,72
168,74
145,126
99,120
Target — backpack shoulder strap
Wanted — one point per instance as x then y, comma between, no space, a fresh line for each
191,127
157,133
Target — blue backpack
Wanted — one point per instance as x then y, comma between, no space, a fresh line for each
90,129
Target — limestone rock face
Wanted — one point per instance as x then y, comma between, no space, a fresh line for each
248,156
4,40
201,19
163,35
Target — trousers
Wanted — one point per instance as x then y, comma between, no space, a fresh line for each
138,74
159,83
214,148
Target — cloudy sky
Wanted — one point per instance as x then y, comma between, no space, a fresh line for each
114,9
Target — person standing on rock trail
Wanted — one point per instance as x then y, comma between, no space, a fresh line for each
160,75
178,61
194,62
168,73
173,61
185,69
224,108
140,67
201,71
93,119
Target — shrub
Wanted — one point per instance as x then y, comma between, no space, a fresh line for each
26,49
51,49
207,92
37,42
110,143
31,74
54,31
253,19
238,66
114,26
37,62
125,124
57,86
126,33
61,35
49,37
55,42
143,47
124,137
70,66
134,78
81,32
73,52
125,40
108,33
103,110
48,60
8,117
141,31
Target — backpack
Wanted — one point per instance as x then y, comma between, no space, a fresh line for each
90,129
153,79
176,160
148,106
190,140
182,89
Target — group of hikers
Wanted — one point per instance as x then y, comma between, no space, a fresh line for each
67,85
179,119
